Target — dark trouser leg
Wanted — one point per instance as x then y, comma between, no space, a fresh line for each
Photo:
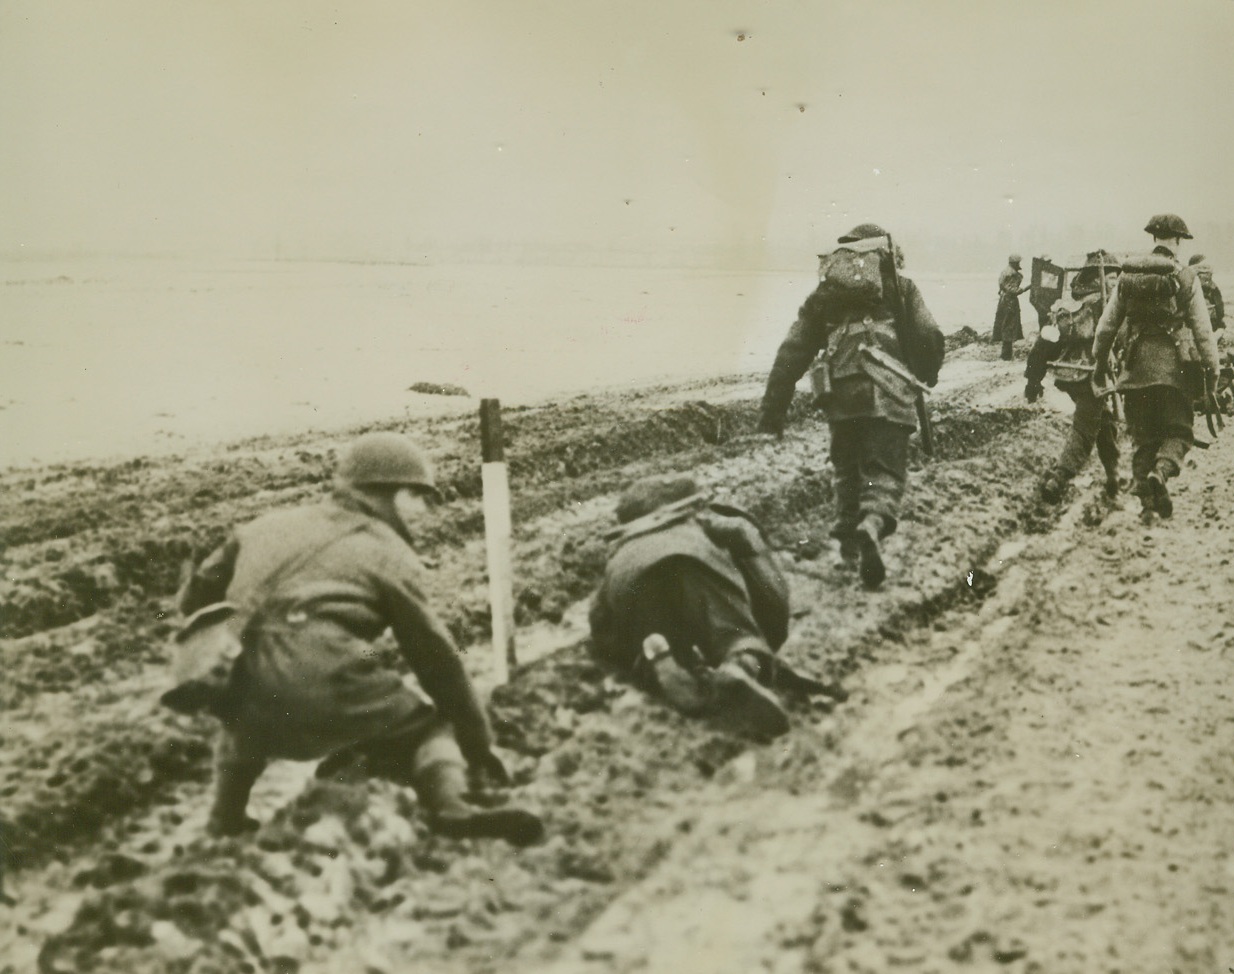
692,606
1107,442
1086,424
1176,423
236,770
882,471
1007,351
1142,427
400,756
439,776
846,439
1160,420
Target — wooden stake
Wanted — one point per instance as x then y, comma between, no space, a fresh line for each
497,530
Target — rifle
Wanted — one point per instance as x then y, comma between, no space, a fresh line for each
1212,409
901,327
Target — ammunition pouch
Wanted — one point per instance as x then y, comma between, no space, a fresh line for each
841,359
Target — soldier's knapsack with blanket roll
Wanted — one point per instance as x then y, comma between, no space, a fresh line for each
1153,288
851,276
851,286
1149,287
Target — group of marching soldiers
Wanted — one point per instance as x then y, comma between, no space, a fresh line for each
1150,324
692,606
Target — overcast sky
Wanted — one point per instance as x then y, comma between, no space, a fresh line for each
397,128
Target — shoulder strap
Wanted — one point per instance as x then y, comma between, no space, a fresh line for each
269,584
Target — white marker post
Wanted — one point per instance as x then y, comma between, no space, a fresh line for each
497,530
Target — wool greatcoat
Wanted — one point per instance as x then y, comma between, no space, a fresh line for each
1007,324
310,681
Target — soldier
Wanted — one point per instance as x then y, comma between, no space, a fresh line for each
869,408
319,584
1212,293
693,605
1169,338
1007,327
1093,420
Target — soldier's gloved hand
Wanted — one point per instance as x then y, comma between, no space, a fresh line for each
1033,391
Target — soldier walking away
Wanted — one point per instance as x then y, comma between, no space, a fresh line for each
1171,359
1067,348
862,314
317,585
693,606
1007,326
1212,293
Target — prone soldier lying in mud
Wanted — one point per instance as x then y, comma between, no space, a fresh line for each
693,606
316,586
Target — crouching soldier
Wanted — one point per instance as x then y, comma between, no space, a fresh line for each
315,586
1066,345
693,606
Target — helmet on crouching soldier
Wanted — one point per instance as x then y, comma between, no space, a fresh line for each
386,460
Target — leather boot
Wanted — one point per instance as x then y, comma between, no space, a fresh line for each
739,698
1052,488
441,786
1156,493
850,552
869,534
730,692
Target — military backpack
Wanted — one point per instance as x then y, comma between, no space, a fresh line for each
1149,287
851,276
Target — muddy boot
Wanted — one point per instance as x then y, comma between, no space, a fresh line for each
234,777
1052,487
738,698
730,692
850,553
682,688
868,536
441,786
1156,495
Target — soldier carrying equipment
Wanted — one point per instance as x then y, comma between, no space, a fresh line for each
870,408
1171,359
1064,346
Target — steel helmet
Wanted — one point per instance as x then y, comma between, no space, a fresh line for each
646,495
862,231
386,460
1014,260
1168,225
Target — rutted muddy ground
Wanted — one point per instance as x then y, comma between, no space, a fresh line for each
665,834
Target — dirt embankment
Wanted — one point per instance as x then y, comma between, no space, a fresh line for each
104,793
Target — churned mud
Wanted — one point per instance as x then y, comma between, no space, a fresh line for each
999,789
